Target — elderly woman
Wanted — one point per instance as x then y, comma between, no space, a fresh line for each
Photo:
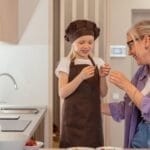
135,108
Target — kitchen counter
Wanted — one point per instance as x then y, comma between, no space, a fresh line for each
35,119
51,149
107,148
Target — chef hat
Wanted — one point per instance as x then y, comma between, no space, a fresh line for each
80,28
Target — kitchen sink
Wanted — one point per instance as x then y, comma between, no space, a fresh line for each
18,110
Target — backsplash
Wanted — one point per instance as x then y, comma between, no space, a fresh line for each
28,64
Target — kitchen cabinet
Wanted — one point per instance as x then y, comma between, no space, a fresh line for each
14,17
9,20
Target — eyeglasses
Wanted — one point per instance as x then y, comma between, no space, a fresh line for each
131,43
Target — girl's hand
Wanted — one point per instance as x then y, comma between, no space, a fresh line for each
104,70
87,72
118,79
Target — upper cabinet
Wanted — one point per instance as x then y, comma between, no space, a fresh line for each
14,17
9,20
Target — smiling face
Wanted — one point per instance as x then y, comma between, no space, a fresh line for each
83,46
139,48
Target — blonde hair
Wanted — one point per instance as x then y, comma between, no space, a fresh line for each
140,29
71,54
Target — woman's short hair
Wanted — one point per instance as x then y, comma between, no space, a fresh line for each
140,29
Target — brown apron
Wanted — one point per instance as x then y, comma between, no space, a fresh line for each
82,122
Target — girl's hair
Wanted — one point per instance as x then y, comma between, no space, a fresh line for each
139,30
71,54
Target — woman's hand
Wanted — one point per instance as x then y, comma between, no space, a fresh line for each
118,79
87,72
104,70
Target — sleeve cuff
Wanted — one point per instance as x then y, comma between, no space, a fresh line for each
117,111
145,108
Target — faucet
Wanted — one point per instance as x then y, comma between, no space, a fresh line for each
11,77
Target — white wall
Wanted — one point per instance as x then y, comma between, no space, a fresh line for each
26,9
36,32
29,66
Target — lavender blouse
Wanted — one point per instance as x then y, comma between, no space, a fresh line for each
129,112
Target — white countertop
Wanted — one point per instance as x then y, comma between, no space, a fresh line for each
35,121
17,140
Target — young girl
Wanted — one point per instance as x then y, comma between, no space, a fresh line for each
81,84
